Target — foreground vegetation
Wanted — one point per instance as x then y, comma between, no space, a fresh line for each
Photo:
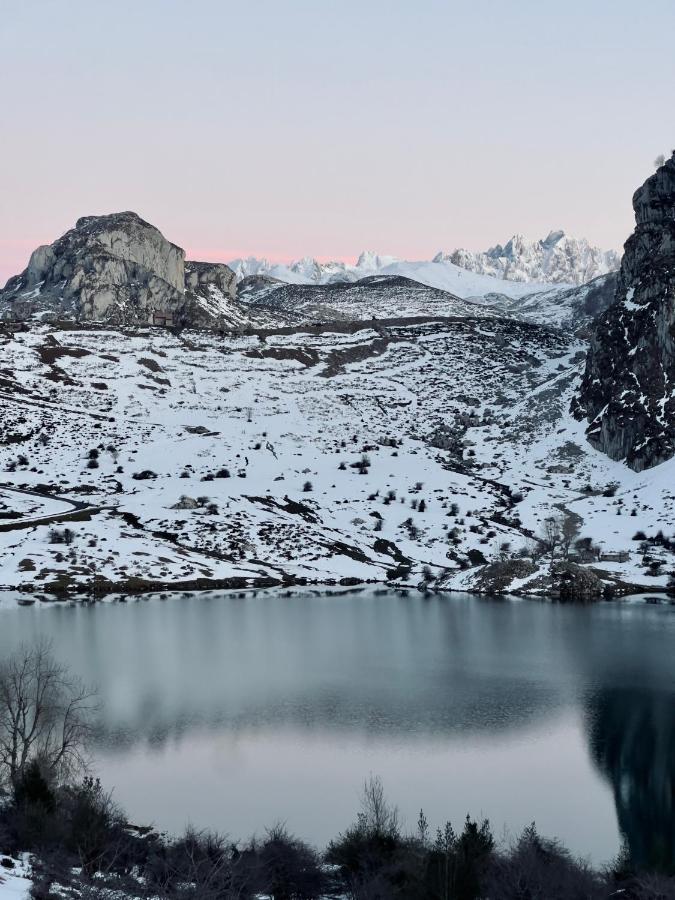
82,845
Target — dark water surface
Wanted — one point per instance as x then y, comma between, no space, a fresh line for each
235,714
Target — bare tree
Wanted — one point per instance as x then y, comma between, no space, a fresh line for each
552,532
377,816
659,161
45,715
568,533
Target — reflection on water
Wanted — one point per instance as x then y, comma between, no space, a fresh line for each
632,740
234,713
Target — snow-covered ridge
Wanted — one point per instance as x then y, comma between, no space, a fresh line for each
557,259
441,274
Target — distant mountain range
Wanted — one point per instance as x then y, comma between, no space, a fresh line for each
120,269
555,259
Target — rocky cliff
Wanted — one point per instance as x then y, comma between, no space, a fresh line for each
119,269
628,390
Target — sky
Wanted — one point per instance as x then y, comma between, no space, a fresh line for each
284,128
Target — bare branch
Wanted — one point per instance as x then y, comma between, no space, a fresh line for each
45,715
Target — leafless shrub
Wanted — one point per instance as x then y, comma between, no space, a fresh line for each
45,716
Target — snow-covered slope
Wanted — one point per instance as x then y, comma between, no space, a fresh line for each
15,881
393,296
571,308
376,297
557,258
138,458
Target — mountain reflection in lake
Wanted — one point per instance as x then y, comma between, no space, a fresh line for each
236,713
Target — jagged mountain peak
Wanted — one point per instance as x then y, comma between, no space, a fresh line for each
369,259
556,259
552,238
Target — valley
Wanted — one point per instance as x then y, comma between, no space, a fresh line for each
415,449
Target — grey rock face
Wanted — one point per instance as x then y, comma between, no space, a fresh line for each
118,269
200,276
210,289
628,390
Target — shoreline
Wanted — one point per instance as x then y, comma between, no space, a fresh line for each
141,588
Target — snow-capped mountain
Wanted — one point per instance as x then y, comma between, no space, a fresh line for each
557,258
309,271
439,273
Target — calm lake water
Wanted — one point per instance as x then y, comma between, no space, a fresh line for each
238,713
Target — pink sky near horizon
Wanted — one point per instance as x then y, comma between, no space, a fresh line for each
290,128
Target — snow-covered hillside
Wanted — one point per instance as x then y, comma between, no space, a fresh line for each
265,301
376,297
561,307
138,459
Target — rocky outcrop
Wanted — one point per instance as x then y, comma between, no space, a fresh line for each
501,576
209,290
628,390
118,269
202,277
570,581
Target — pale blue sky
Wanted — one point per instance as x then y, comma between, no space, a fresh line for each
289,127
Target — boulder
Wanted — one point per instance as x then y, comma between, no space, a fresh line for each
186,502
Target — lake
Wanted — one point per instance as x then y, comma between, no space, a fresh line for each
237,713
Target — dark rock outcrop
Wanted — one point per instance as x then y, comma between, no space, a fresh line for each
498,577
628,390
118,269
570,581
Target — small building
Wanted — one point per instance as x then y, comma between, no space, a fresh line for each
163,319
615,556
